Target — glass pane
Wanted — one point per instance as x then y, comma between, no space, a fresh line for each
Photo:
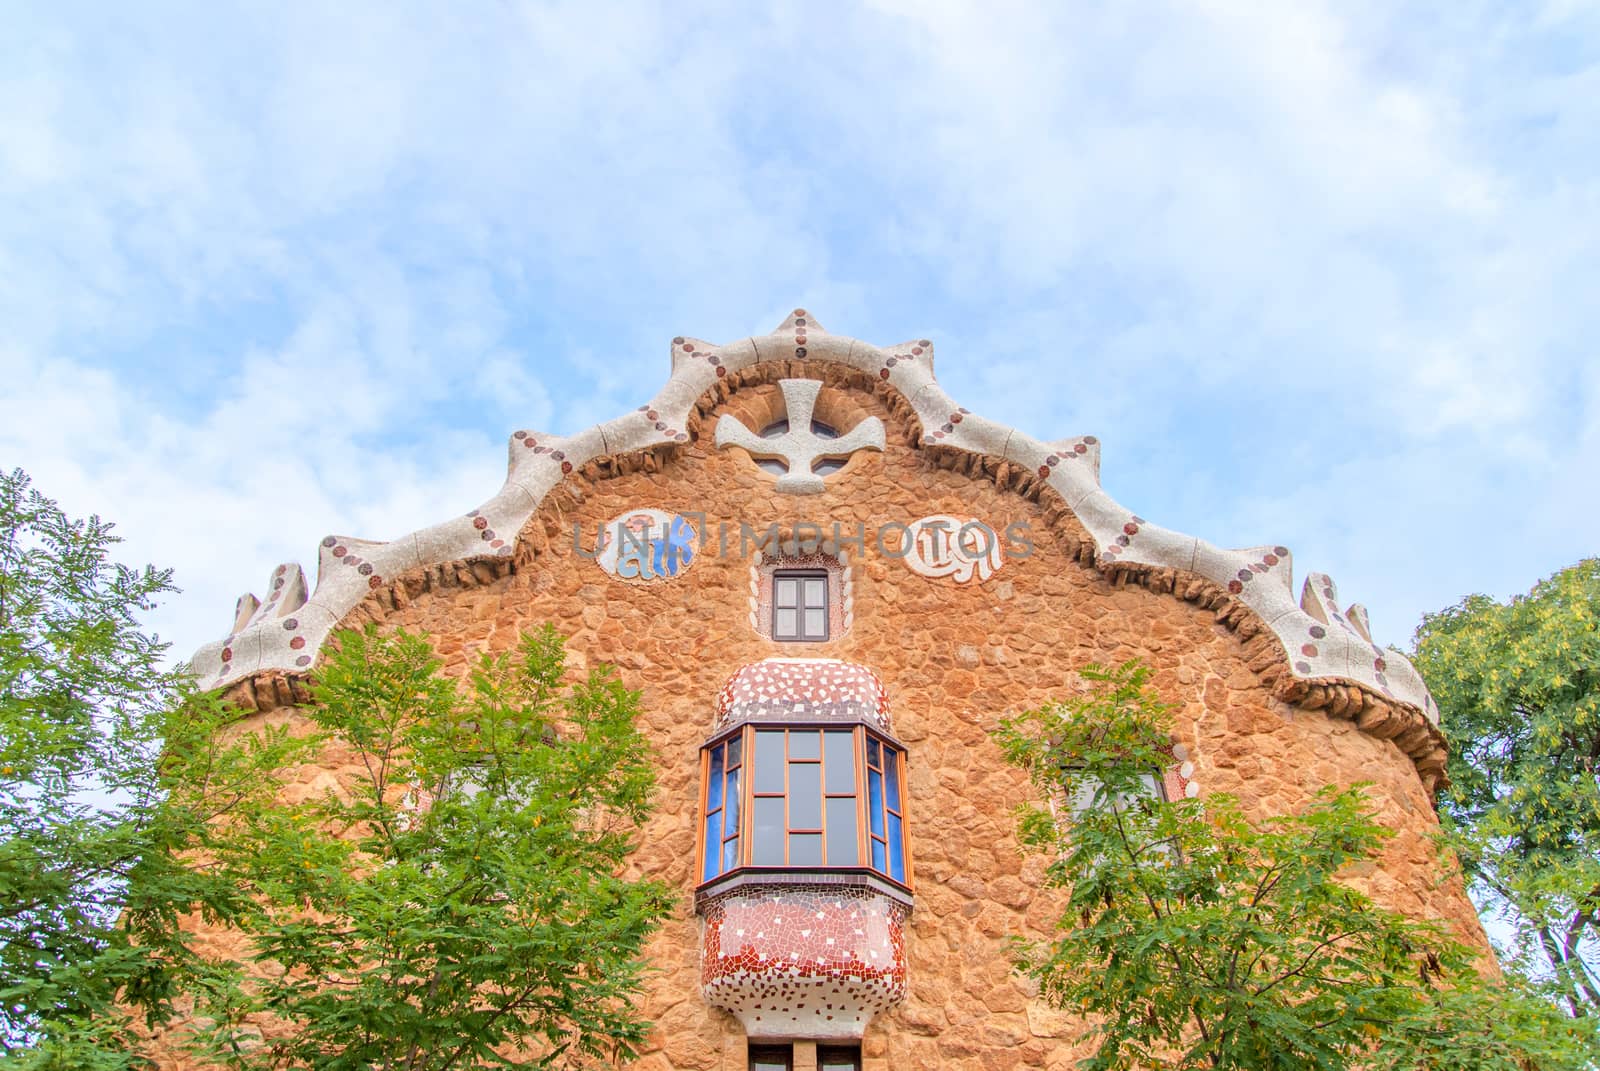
805,849
786,626
872,753
838,1058
840,761
816,624
891,770
766,844
714,781
709,869
735,748
805,745
1085,794
768,1058
730,854
805,795
769,762
816,591
875,801
897,851
785,592
877,856
731,810
842,847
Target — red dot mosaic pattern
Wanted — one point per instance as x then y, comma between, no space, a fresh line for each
908,352
1124,539
480,524
1269,559
286,593
804,961
1321,599
779,689
1072,450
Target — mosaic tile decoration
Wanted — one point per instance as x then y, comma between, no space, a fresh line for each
803,961
646,545
803,689
1178,780
1070,466
841,589
1332,633
939,546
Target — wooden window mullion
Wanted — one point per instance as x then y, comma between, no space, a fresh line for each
738,836
863,798
703,815
891,808
747,789
786,791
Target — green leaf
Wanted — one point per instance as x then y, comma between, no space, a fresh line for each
1194,937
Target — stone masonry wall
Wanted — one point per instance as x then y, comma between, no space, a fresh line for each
955,658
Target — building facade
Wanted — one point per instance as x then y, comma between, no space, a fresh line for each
830,582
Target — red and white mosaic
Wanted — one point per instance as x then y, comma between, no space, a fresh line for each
788,689
1178,780
804,961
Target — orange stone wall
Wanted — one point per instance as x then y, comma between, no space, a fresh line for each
955,658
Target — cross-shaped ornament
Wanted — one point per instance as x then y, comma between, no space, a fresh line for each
799,448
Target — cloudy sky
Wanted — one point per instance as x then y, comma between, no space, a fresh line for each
1320,275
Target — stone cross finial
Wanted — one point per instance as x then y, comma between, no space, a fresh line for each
799,448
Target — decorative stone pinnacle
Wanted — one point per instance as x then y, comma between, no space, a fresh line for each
800,447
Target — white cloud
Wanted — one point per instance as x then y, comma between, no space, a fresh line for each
1316,274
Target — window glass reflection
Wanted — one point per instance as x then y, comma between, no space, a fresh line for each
800,802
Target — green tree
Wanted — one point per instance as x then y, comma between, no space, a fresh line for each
463,901
1518,687
93,876
1195,938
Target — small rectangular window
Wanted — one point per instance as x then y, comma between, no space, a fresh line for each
771,1058
800,606
1151,787
838,1058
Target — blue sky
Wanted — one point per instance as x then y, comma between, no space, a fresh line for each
1316,274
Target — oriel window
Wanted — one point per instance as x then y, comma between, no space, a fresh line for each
804,798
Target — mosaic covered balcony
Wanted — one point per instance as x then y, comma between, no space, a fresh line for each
804,863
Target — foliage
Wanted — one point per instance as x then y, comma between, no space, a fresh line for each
92,876
465,895
462,894
1518,687
1481,1026
1194,938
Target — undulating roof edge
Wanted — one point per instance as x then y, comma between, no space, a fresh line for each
1323,642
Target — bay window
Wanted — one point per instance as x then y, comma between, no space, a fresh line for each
803,798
